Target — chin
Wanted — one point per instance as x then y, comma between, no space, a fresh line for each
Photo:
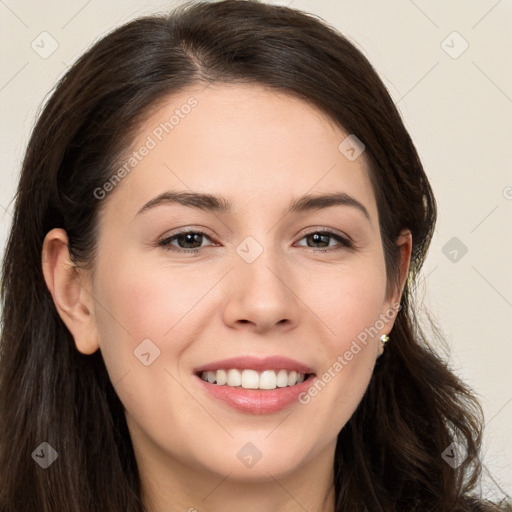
255,461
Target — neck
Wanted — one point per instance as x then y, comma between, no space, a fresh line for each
170,486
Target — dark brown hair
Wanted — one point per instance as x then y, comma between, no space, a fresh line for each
388,456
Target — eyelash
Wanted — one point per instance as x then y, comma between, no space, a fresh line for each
345,243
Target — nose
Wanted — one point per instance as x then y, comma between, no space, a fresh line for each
260,296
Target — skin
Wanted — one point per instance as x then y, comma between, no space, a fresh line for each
260,149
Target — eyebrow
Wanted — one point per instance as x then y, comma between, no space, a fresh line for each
219,204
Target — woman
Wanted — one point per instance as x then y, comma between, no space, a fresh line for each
207,287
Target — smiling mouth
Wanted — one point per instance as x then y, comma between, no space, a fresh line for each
252,379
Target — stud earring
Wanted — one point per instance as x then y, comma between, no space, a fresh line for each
384,338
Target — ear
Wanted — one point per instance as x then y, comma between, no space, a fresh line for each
404,242
68,287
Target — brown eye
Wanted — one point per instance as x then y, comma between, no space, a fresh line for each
187,241
322,239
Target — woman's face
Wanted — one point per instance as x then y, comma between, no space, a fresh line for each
265,286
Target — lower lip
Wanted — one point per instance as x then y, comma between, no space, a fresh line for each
257,401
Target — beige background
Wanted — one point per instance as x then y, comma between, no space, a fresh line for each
458,109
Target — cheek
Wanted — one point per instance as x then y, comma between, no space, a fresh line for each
143,329
138,302
350,304
144,302
349,301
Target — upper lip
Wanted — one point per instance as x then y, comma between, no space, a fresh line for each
255,363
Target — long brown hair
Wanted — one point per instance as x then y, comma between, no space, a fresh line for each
388,456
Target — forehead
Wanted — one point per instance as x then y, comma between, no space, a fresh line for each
245,142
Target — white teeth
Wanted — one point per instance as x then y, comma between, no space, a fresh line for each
292,378
268,380
222,377
282,379
251,379
234,378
